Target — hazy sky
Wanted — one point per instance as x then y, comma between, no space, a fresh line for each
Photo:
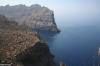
58,5
69,11
62,8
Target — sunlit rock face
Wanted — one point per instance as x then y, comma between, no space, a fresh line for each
35,16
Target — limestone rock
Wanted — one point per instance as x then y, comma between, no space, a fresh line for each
35,16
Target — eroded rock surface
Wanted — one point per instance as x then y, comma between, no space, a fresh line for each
35,16
22,48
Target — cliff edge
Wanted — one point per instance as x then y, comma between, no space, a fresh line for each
22,48
35,16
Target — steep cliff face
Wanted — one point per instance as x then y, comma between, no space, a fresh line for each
22,48
35,16
39,55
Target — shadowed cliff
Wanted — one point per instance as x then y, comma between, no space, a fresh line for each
20,47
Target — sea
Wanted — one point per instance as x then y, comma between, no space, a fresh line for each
78,42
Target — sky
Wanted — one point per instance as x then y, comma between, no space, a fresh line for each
63,8
58,5
71,6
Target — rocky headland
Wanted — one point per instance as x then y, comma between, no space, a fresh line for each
19,47
34,16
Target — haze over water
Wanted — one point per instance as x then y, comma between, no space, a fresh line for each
79,21
79,40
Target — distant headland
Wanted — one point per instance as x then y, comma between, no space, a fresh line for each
34,16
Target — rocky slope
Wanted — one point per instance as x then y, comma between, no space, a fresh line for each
22,48
5,25
35,16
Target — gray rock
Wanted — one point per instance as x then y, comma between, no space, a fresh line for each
35,16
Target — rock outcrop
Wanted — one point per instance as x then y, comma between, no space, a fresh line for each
35,16
22,48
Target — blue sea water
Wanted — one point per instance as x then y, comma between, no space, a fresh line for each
78,42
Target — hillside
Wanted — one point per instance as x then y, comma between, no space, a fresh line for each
34,16
19,47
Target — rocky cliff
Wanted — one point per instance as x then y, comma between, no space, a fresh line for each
35,16
22,48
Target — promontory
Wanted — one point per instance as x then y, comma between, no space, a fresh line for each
19,47
35,16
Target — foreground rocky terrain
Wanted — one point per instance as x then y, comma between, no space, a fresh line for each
19,47
35,16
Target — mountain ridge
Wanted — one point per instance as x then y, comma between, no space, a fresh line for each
34,16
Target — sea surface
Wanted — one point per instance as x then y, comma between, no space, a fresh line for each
78,42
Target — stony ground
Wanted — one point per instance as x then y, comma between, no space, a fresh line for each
14,39
20,47
14,42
